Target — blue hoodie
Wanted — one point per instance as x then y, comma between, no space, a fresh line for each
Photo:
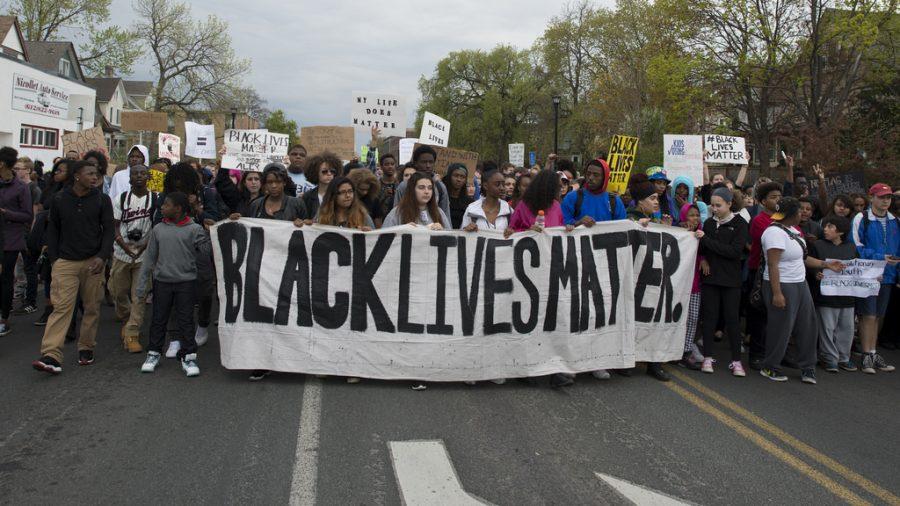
674,209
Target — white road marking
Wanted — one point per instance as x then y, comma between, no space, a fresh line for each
641,496
425,475
306,458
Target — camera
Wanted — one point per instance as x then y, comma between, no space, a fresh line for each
135,235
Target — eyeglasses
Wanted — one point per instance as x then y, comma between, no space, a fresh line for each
345,192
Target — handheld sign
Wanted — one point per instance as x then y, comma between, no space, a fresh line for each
517,154
435,130
446,156
382,110
683,156
840,184
133,121
406,149
200,140
253,149
622,153
725,149
334,139
169,147
858,279
84,141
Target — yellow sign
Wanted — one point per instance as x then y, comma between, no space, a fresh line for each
622,153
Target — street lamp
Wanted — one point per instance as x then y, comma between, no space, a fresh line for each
233,116
556,100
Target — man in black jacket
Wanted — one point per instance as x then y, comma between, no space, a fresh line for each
80,235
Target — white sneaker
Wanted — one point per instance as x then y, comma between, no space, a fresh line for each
150,362
201,336
189,365
174,347
498,381
600,374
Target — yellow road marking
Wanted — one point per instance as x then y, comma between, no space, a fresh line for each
845,472
817,476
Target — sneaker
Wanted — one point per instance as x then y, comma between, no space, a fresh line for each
707,366
498,381
201,336
656,370
151,361
353,380
5,329
737,369
259,374
689,362
174,347
773,374
420,386
808,376
848,366
559,380
47,364
600,374
831,367
42,320
85,357
868,363
189,365
881,365
26,309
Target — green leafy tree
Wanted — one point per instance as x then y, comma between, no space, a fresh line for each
277,122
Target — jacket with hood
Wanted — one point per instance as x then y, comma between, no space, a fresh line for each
723,246
121,180
876,238
683,216
601,206
15,200
475,214
674,208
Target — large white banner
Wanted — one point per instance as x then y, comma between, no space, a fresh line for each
200,140
39,97
683,156
858,279
409,303
382,110
254,149
435,130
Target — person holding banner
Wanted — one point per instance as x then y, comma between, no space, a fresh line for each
342,207
419,207
592,203
320,170
876,233
788,301
423,158
541,198
490,212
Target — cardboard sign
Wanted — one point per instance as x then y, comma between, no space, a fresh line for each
382,110
84,141
622,152
134,121
725,149
201,140
169,147
446,156
334,139
683,156
858,279
435,130
517,154
406,149
840,184
39,97
253,149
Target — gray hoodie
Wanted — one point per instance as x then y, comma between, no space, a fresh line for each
172,252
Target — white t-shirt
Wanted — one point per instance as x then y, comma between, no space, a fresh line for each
791,266
136,215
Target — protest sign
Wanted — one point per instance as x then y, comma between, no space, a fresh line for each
382,110
155,184
134,121
840,184
622,152
406,149
532,157
200,140
435,130
169,147
334,139
725,149
84,141
517,154
858,279
409,303
254,149
446,156
683,156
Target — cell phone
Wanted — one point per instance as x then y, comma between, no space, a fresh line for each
783,156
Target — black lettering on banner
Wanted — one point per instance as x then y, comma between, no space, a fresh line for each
563,272
590,288
468,292
403,323
671,258
493,286
253,311
329,317
611,242
296,273
647,275
233,245
365,297
442,243
522,245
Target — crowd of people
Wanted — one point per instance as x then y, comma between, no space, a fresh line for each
141,237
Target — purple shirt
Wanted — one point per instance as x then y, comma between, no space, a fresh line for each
15,200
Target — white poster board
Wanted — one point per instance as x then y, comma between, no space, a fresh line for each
435,130
858,279
683,156
725,149
200,140
169,147
253,149
406,149
517,154
385,111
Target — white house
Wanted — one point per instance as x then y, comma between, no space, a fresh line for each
114,96
38,106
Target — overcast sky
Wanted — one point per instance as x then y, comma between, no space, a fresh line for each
309,56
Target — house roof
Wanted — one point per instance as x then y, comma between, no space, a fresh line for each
138,88
105,86
6,24
46,55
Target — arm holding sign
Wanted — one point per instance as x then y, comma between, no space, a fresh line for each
823,195
742,175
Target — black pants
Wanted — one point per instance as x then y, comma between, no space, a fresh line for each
205,292
177,298
721,301
756,323
7,282
29,265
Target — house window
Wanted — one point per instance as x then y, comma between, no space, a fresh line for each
38,137
64,67
117,116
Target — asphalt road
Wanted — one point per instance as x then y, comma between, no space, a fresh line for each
107,434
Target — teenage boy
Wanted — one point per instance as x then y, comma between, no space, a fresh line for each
389,181
767,195
423,158
297,157
137,155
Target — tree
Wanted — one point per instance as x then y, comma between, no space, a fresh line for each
194,62
42,20
277,122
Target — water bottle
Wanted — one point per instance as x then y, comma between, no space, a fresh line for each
540,219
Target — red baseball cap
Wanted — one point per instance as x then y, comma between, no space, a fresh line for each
880,190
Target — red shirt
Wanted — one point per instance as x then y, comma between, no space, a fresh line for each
758,225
